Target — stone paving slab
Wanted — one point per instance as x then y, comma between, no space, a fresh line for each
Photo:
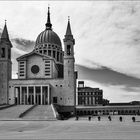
70,129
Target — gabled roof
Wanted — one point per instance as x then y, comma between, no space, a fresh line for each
32,53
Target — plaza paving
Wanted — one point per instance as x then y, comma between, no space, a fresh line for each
71,129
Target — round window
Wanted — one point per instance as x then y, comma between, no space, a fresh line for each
35,69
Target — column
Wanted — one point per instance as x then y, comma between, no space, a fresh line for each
91,100
44,95
59,57
56,55
20,95
27,94
87,100
41,95
51,52
48,94
78,100
34,96
16,95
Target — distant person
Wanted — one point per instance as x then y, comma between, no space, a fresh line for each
133,119
109,117
99,118
89,118
77,118
120,119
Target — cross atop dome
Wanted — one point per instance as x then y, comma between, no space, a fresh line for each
48,24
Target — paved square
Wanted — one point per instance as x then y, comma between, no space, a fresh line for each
71,129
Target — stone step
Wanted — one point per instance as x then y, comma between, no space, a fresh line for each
13,112
40,112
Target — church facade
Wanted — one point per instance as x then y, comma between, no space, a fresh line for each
45,76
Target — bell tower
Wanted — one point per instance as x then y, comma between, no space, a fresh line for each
5,65
69,70
69,59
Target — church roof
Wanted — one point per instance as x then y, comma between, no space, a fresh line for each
33,53
48,36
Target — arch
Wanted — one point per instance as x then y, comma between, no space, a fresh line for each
122,112
130,112
88,112
107,112
78,112
134,111
84,112
119,112
126,112
96,112
81,112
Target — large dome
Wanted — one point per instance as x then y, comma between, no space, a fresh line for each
48,36
48,43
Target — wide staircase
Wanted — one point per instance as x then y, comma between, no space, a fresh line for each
13,112
40,112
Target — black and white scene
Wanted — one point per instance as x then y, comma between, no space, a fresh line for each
70,70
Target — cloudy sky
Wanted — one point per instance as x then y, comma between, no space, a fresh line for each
107,35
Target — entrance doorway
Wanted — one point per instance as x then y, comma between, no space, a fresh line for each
35,94
55,100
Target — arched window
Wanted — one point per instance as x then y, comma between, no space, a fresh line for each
3,52
68,50
49,52
53,53
9,54
57,56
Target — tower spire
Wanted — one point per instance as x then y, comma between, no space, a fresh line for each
48,24
68,31
5,34
68,35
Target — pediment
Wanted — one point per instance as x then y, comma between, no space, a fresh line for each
23,57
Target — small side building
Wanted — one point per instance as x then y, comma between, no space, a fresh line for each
88,96
90,102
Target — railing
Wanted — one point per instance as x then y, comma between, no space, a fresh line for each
55,108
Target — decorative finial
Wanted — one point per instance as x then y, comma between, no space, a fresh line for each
5,21
68,18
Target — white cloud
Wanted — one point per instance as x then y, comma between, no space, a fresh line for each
107,38
107,33
115,93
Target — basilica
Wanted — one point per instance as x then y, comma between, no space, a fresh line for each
46,75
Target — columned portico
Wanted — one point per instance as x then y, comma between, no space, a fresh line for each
32,94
